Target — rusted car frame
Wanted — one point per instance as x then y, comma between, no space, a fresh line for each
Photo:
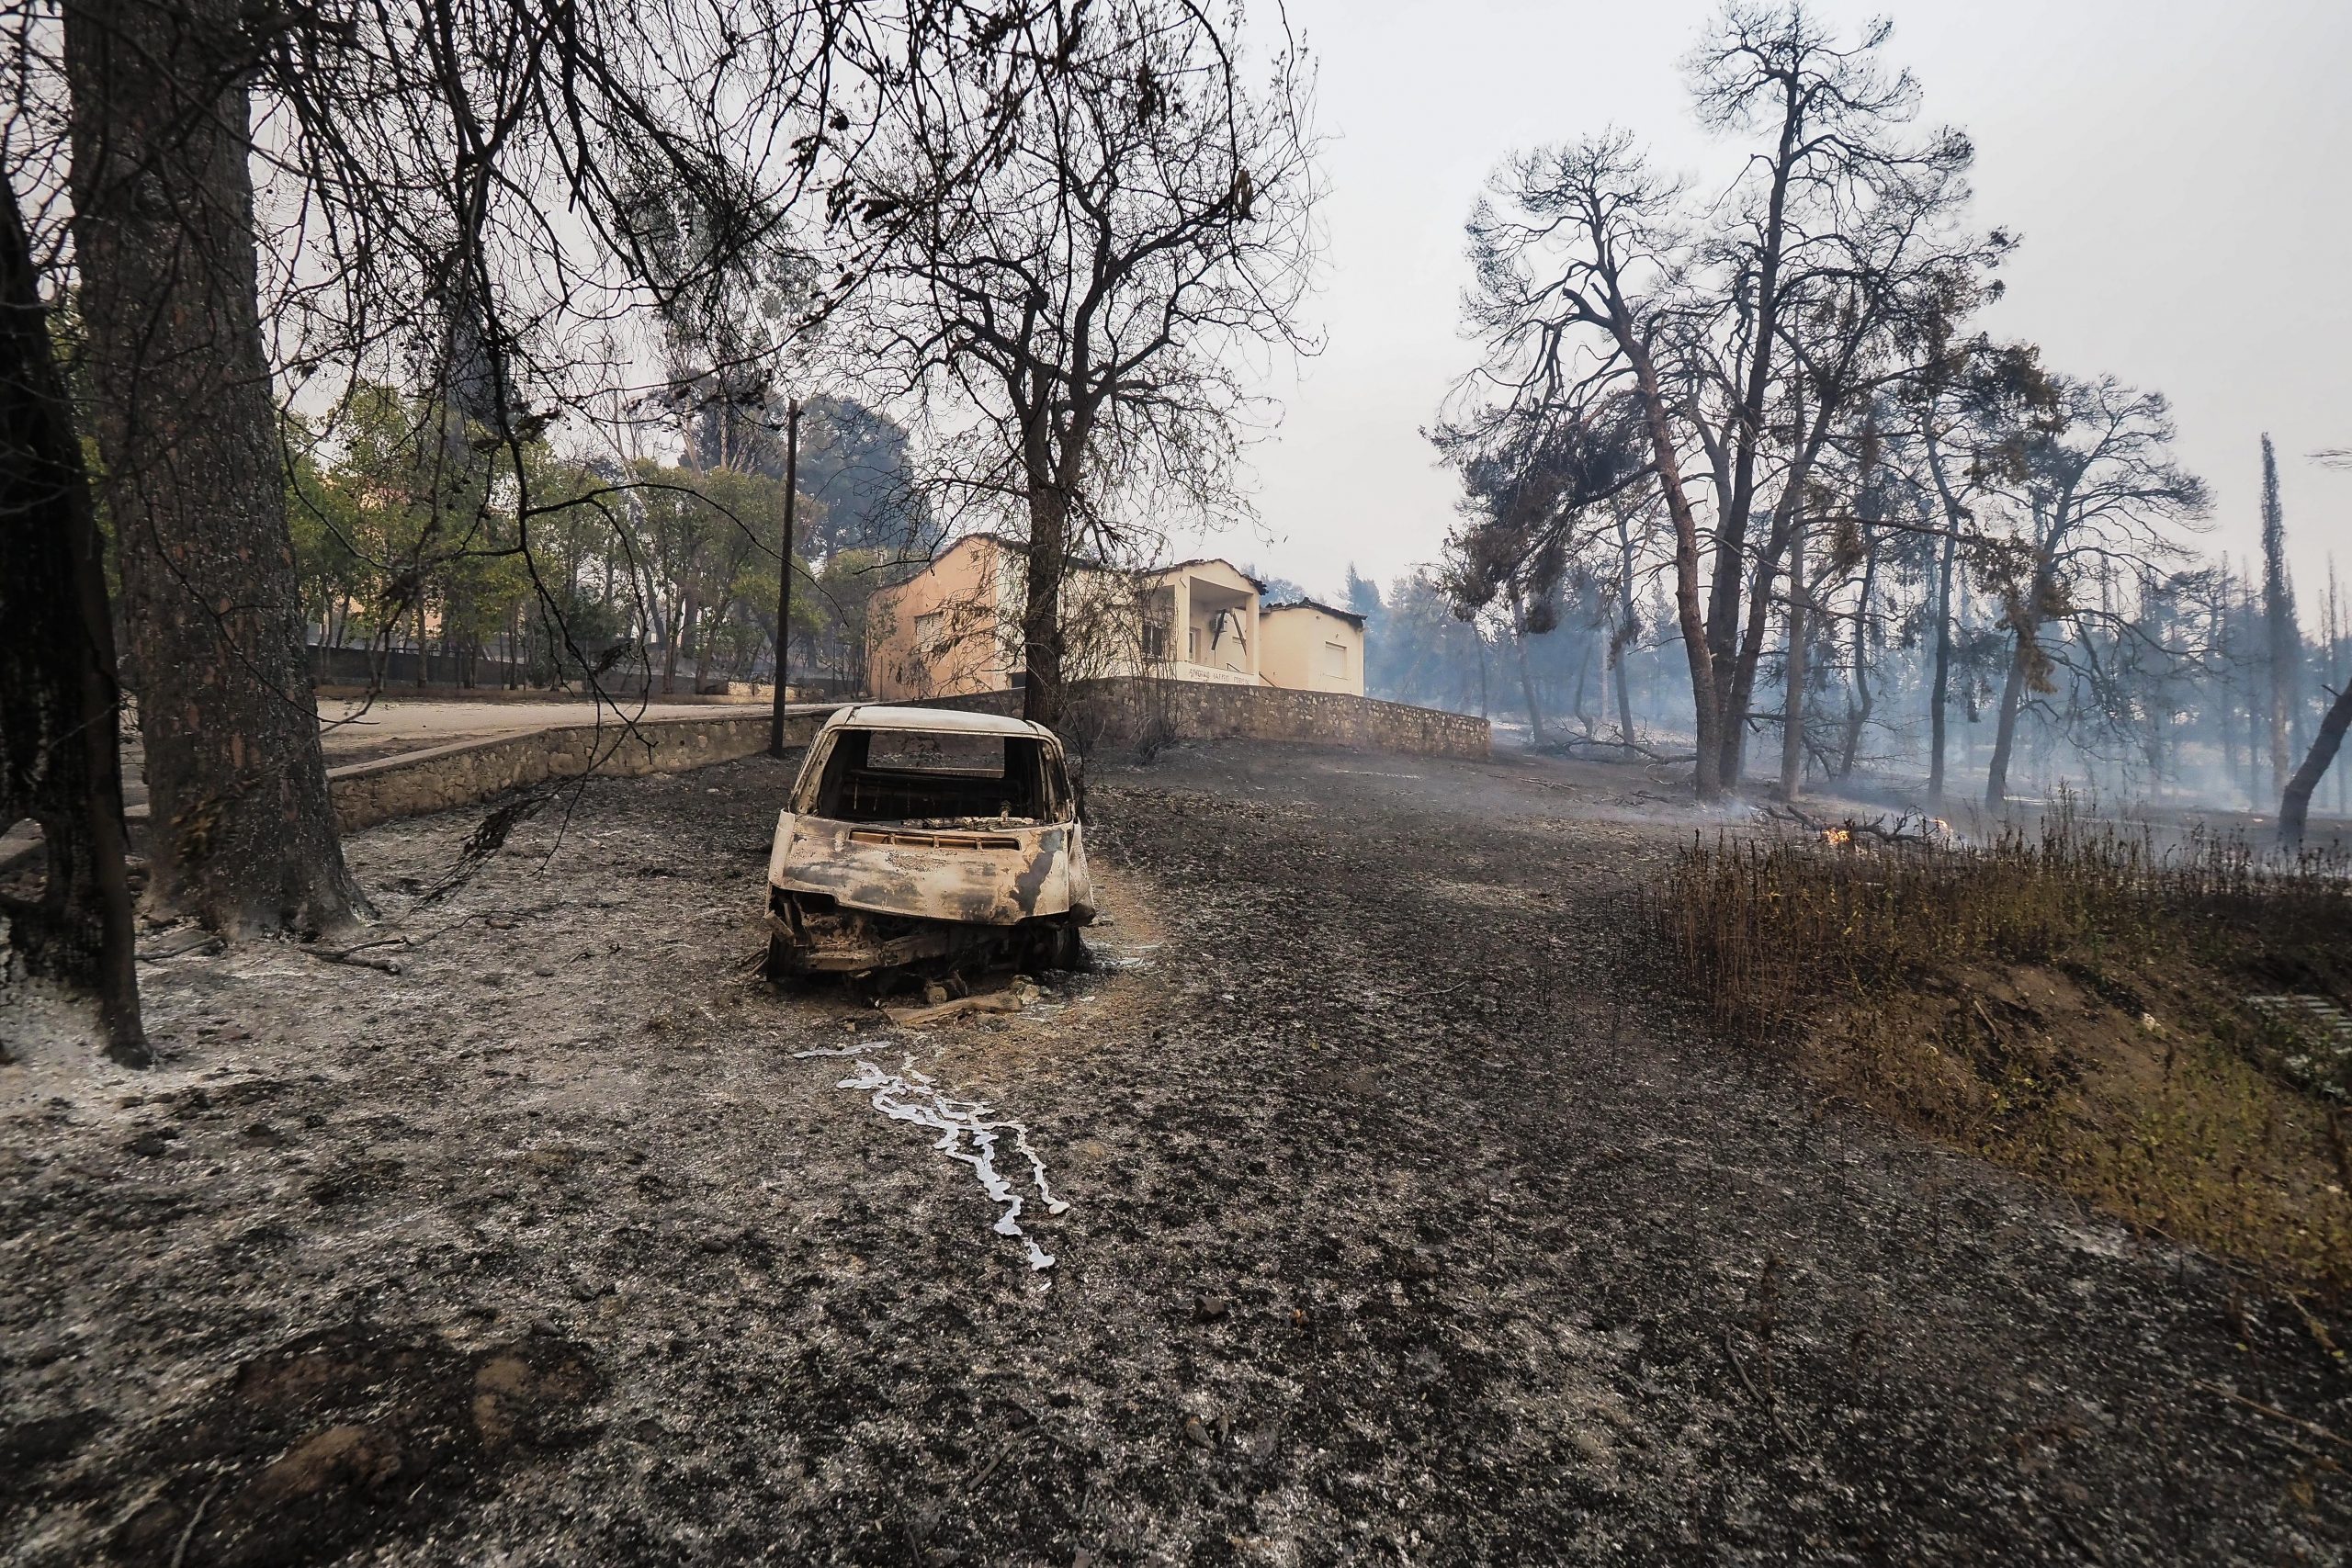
923,837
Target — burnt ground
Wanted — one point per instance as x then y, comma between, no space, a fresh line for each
1408,1222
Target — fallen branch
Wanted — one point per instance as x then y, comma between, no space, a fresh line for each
1563,746
1771,1413
2274,1413
353,957
2318,1329
1907,829
205,939
179,1552
1012,1000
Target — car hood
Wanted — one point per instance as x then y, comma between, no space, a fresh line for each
994,875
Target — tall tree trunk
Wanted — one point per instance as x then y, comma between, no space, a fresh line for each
1731,531
1707,710
1858,711
1622,635
243,829
1748,655
1584,675
783,580
706,623
1043,638
60,718
1526,677
1997,775
681,614
1792,716
1740,699
1939,686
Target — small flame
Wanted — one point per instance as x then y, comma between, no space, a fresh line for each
1837,835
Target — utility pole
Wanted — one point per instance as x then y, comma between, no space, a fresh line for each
784,571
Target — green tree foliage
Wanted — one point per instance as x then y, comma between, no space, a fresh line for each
658,576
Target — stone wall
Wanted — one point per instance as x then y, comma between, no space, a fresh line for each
447,777
1128,709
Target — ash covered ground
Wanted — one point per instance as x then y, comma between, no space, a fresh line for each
1406,1221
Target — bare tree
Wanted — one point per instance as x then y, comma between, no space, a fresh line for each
1756,331
1071,306
2100,490
1973,405
1578,248
1836,257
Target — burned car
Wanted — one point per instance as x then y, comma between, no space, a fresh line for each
927,839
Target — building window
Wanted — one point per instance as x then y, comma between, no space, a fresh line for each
1155,639
929,637
1192,644
1335,659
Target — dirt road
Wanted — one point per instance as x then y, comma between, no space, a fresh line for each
1404,1222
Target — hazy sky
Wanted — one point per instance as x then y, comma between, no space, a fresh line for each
2181,175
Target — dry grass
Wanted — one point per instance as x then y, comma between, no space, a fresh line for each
2072,1002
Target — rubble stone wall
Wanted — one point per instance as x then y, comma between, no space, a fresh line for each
1129,708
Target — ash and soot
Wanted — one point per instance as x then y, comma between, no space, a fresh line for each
1435,1165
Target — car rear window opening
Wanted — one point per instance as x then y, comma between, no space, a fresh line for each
938,781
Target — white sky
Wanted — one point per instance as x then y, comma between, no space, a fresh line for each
2181,175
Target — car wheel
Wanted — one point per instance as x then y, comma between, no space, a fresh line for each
1064,949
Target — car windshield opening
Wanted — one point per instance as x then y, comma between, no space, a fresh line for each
934,780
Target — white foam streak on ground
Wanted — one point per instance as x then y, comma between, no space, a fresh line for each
911,1095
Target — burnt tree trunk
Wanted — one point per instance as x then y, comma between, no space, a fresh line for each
1044,641
59,755
1526,676
1054,446
2295,800
1940,687
2022,665
1860,700
244,830
1621,638
1792,717
1708,717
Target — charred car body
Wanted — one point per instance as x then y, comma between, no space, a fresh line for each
927,837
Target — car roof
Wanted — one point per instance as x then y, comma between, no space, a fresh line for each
936,721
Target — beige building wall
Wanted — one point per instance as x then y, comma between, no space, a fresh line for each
955,630
942,634
1308,648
